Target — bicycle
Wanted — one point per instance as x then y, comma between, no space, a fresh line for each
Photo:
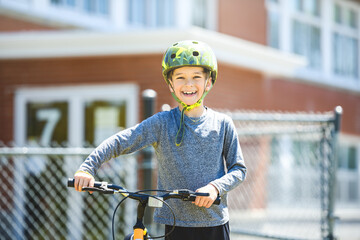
145,200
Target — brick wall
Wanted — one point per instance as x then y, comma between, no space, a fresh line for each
11,24
245,19
142,70
235,88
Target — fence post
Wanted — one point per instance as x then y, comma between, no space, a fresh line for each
149,99
333,170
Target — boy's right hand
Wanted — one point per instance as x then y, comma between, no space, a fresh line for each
83,179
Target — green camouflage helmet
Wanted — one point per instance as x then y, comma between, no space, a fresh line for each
189,53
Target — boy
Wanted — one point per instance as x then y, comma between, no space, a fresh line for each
191,143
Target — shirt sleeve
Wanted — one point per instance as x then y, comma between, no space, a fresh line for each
127,141
236,169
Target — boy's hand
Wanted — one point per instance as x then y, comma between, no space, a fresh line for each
206,201
83,179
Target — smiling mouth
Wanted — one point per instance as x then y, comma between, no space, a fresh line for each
189,93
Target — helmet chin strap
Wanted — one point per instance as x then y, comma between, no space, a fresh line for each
180,134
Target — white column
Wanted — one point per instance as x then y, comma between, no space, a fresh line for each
183,17
285,26
119,13
326,37
213,14
19,165
74,200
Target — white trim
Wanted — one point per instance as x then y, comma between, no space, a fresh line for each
326,38
285,27
228,49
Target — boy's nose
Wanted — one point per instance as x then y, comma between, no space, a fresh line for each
188,81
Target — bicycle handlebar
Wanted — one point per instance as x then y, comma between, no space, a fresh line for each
106,188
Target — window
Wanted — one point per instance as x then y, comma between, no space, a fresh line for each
347,158
199,13
348,178
308,7
70,114
273,29
100,7
204,13
92,7
104,118
306,42
156,13
47,123
306,32
345,52
345,48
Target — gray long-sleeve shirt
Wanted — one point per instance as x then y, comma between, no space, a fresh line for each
210,153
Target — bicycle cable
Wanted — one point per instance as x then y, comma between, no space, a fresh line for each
139,192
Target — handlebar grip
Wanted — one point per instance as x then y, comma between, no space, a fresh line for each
202,194
71,183
216,202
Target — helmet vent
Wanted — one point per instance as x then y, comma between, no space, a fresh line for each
195,42
195,53
173,55
175,44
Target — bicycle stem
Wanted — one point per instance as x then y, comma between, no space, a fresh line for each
140,215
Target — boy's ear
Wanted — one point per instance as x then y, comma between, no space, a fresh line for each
208,84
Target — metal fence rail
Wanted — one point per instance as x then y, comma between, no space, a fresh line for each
288,194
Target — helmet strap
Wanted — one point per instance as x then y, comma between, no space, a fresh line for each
180,134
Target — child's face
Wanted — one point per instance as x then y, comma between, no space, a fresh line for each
190,83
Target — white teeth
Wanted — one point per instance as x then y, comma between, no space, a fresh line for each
189,93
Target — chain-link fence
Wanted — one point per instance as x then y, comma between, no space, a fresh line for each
288,192
36,203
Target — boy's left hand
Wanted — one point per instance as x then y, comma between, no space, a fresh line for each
206,201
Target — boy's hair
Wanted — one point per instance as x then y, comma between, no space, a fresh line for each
171,72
